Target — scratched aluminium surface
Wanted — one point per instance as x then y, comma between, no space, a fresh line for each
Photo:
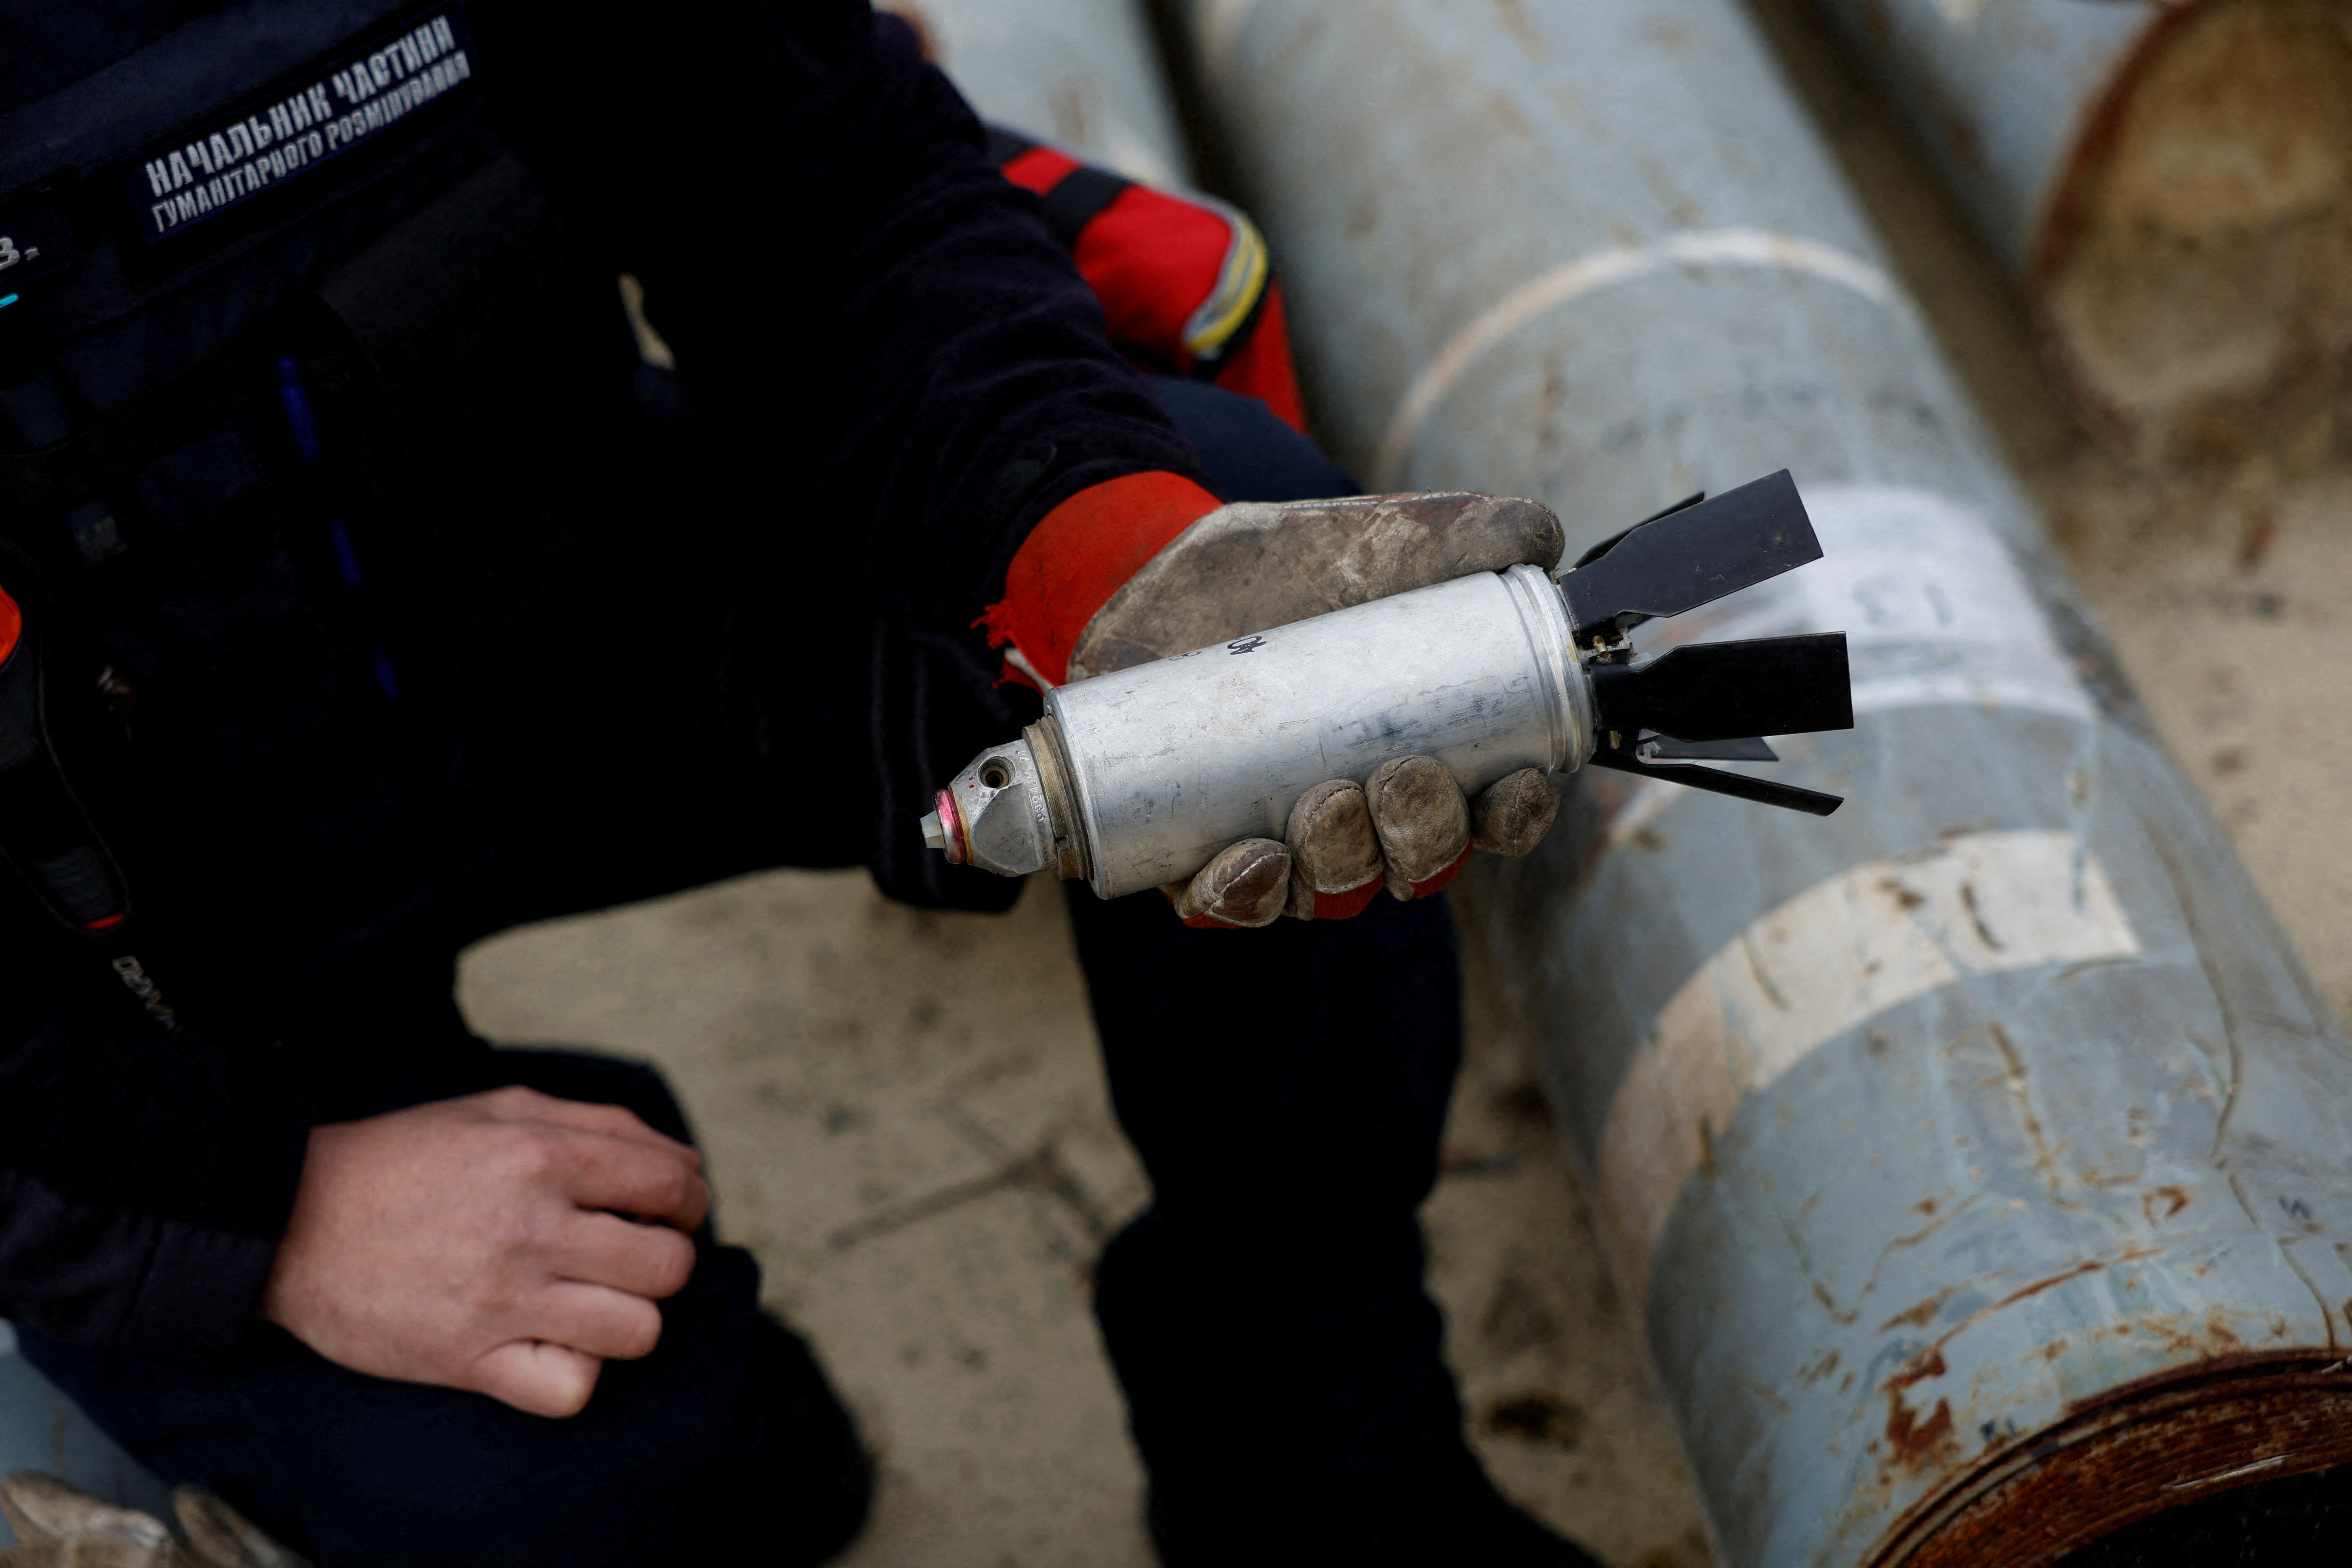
1081,74
1976,1154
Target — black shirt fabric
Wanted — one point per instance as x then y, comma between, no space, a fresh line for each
385,685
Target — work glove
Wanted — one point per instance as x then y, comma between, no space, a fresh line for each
1152,565
58,1526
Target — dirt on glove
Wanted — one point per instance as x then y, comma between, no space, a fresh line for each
59,1527
1422,818
1248,884
1513,816
1255,564
1333,848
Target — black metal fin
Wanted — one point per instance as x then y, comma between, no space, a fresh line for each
1763,790
1656,748
1730,690
1692,556
1606,545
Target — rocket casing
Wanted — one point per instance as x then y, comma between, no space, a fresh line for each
1138,777
1171,761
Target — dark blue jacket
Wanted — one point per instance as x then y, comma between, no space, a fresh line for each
326,647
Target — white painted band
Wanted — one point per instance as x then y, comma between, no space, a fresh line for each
1571,281
1933,602
1935,609
1875,936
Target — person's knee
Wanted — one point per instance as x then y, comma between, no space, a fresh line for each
1250,455
363,1472
636,1086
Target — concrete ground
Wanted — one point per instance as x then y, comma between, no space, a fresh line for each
907,1121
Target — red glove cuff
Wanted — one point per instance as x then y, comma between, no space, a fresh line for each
1346,906
1077,556
1431,886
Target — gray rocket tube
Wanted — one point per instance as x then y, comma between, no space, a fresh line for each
2170,183
1081,74
41,1430
1974,1158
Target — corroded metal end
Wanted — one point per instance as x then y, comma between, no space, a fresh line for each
1071,859
994,816
1009,813
943,831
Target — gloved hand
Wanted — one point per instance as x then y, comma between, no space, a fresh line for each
1152,565
58,1526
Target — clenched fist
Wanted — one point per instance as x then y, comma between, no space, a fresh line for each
1407,828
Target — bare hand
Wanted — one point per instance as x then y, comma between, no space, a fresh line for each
478,1243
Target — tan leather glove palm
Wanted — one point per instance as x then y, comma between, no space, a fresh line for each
58,1526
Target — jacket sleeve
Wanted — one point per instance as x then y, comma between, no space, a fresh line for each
145,1174
853,290
904,369
863,305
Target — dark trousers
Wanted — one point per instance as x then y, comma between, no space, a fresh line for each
1266,1317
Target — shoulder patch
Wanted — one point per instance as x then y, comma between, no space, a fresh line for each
348,98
